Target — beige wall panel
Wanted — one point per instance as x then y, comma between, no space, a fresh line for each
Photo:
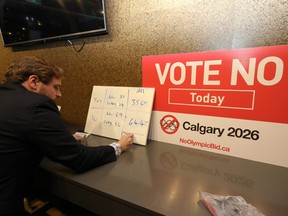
154,27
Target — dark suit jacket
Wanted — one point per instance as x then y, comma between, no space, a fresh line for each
31,128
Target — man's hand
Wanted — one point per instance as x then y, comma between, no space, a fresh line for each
80,136
126,141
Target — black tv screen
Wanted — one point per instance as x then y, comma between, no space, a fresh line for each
26,22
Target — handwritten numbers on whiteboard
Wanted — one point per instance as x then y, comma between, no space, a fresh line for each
114,110
140,99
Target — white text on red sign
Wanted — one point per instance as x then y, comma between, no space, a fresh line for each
188,72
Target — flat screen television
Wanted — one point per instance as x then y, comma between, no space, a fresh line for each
27,22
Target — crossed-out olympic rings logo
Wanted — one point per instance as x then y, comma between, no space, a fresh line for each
169,124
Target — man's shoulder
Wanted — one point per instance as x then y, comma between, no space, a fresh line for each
20,95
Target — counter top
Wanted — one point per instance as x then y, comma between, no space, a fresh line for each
165,179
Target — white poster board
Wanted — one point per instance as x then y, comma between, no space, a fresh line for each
117,110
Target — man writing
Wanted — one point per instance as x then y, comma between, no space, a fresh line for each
31,128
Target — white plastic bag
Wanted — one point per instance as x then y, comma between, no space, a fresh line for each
228,205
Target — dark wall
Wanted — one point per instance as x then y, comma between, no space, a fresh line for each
154,27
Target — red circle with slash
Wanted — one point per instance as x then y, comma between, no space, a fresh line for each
169,124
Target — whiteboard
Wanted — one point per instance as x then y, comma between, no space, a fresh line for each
117,110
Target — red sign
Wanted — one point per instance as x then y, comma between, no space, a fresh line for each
245,83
